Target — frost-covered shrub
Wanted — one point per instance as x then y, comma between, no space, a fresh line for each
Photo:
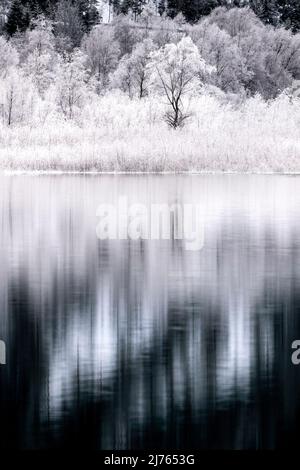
18,97
116,133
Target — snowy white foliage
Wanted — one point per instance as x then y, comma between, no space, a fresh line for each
177,69
102,52
8,57
220,50
41,69
133,73
39,58
116,133
72,88
178,66
18,98
234,78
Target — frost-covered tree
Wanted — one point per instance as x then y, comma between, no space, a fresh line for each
281,61
148,18
260,49
102,52
17,97
270,55
126,34
39,68
122,78
68,23
247,54
221,51
166,32
133,75
238,22
176,69
38,54
40,37
72,84
9,57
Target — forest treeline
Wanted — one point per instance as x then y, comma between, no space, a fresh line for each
64,58
17,15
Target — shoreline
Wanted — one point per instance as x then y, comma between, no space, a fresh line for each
130,137
141,173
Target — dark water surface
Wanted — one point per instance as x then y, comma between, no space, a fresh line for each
140,344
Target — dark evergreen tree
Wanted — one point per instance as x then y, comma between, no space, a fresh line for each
68,24
193,10
23,11
289,11
174,7
162,6
18,17
88,13
266,10
116,6
136,6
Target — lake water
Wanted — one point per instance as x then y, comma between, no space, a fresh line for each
120,344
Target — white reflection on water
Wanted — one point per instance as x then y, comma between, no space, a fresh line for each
164,337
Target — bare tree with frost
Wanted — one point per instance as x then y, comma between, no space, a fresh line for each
176,70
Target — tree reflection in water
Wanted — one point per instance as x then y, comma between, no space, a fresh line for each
139,344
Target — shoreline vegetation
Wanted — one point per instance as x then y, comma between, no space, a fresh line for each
150,94
131,136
